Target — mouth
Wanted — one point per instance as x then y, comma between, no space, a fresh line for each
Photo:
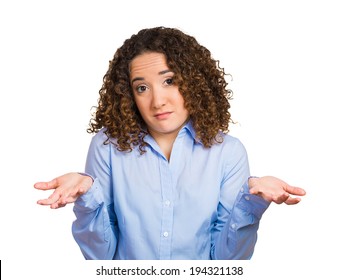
162,116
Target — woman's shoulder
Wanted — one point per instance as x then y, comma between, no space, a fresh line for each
228,139
101,138
231,143
100,135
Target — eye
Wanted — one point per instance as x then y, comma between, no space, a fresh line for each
169,81
141,88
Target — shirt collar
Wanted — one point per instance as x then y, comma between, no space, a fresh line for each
187,129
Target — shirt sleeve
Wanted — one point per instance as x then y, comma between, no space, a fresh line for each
95,227
235,232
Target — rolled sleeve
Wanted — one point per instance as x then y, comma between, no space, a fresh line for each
91,200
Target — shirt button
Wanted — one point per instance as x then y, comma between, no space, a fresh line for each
242,189
247,197
233,226
165,234
167,202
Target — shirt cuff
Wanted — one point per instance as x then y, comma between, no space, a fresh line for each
250,203
90,200
86,174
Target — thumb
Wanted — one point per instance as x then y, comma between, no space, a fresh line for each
254,190
46,185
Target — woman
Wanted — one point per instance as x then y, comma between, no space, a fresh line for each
163,178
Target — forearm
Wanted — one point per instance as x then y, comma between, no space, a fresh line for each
92,229
237,239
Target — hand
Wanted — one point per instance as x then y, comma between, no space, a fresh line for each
68,188
275,190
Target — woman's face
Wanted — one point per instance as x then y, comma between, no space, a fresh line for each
159,101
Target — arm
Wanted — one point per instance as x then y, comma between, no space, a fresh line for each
235,234
239,211
92,229
237,238
95,228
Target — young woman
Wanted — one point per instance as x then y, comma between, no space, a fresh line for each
163,179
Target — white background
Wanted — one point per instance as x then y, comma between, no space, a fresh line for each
282,56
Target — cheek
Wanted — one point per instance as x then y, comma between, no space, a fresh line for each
141,105
180,101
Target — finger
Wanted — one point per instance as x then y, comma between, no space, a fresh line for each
74,194
292,200
281,198
57,205
79,190
54,197
67,197
254,190
46,185
73,197
295,190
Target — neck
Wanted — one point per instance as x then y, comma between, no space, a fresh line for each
165,142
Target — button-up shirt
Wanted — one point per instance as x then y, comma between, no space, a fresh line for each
195,206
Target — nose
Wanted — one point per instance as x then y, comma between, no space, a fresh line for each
159,98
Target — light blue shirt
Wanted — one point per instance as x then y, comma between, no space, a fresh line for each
195,206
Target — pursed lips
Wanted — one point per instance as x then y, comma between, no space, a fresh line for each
163,115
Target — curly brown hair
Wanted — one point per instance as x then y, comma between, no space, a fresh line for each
200,80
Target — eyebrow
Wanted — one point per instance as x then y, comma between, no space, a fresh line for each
142,79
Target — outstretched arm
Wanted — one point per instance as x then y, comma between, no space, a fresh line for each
235,232
95,228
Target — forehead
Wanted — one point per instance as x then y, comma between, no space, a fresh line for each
148,63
